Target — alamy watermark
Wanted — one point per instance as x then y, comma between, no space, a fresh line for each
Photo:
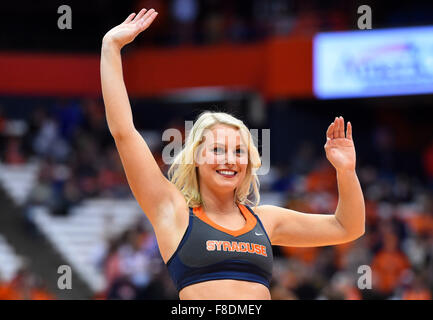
64,282
365,20
365,280
65,20
217,147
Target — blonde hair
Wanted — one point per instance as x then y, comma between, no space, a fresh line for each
183,173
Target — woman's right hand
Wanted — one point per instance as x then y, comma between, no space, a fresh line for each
126,32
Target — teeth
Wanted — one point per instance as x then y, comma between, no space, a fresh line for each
231,173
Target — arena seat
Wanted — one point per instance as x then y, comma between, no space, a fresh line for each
78,235
19,180
10,262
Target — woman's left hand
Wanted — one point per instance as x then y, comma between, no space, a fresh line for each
340,150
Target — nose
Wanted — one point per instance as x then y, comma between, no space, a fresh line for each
230,158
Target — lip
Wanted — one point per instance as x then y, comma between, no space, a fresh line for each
226,176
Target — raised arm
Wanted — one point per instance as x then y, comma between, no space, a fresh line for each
291,228
155,194
117,107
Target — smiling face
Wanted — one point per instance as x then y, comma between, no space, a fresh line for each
222,159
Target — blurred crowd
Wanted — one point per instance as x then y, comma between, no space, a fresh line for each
179,21
79,160
227,21
211,21
132,266
396,249
25,285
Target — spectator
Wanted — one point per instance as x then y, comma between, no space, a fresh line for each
185,13
388,265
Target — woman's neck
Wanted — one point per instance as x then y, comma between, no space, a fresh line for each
218,203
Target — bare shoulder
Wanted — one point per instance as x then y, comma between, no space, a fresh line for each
275,211
173,219
266,214
268,211
266,208
271,212
272,216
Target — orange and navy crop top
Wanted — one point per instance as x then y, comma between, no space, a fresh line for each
208,251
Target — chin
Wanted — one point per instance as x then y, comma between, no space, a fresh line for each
226,185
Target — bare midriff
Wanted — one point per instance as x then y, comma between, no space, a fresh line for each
226,289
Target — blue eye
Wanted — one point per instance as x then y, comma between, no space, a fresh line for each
218,150
240,151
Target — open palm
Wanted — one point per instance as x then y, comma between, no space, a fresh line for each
126,32
340,150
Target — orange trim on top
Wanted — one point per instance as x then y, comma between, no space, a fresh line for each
249,225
